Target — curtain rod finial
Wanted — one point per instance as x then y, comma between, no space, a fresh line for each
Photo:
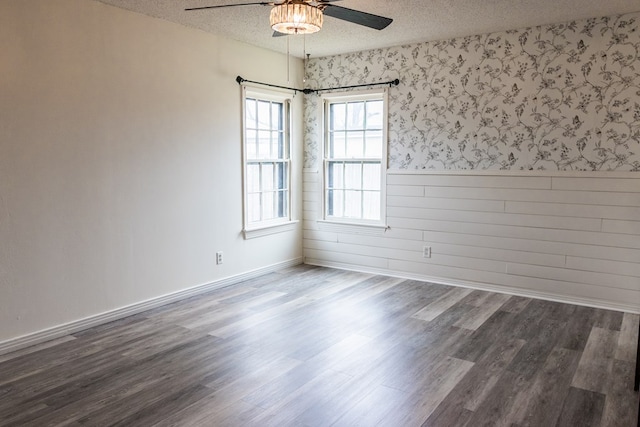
239,80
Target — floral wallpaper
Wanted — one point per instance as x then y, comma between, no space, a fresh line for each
558,97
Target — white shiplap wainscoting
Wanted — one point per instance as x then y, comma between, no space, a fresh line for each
572,237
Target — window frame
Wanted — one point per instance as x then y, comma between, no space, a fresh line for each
279,224
351,224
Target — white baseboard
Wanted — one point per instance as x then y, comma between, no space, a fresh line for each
35,338
55,332
630,308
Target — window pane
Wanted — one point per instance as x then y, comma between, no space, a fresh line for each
353,176
335,203
253,212
283,198
268,205
355,144
337,145
267,177
282,181
373,147
371,176
264,144
374,114
371,205
337,116
252,139
251,113
276,116
352,204
355,115
280,151
335,178
275,145
253,178
264,118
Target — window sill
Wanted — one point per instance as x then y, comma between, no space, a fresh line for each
269,229
353,228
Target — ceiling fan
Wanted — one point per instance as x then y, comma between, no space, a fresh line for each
306,16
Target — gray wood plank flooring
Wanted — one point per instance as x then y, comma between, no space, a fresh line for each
312,346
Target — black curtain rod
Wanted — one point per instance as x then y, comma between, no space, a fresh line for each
395,82
240,80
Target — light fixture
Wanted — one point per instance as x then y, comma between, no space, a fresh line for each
296,17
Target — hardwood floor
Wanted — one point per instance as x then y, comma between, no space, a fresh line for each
311,346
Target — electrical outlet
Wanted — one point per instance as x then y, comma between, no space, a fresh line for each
219,257
426,252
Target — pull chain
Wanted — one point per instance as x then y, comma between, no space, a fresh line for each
304,57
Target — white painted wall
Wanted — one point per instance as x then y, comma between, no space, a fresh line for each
565,237
120,161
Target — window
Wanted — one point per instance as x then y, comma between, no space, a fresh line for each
267,195
355,157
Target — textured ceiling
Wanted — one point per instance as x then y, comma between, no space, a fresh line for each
413,20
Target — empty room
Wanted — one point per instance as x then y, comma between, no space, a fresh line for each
319,213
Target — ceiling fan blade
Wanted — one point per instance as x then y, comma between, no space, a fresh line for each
278,34
262,3
357,17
